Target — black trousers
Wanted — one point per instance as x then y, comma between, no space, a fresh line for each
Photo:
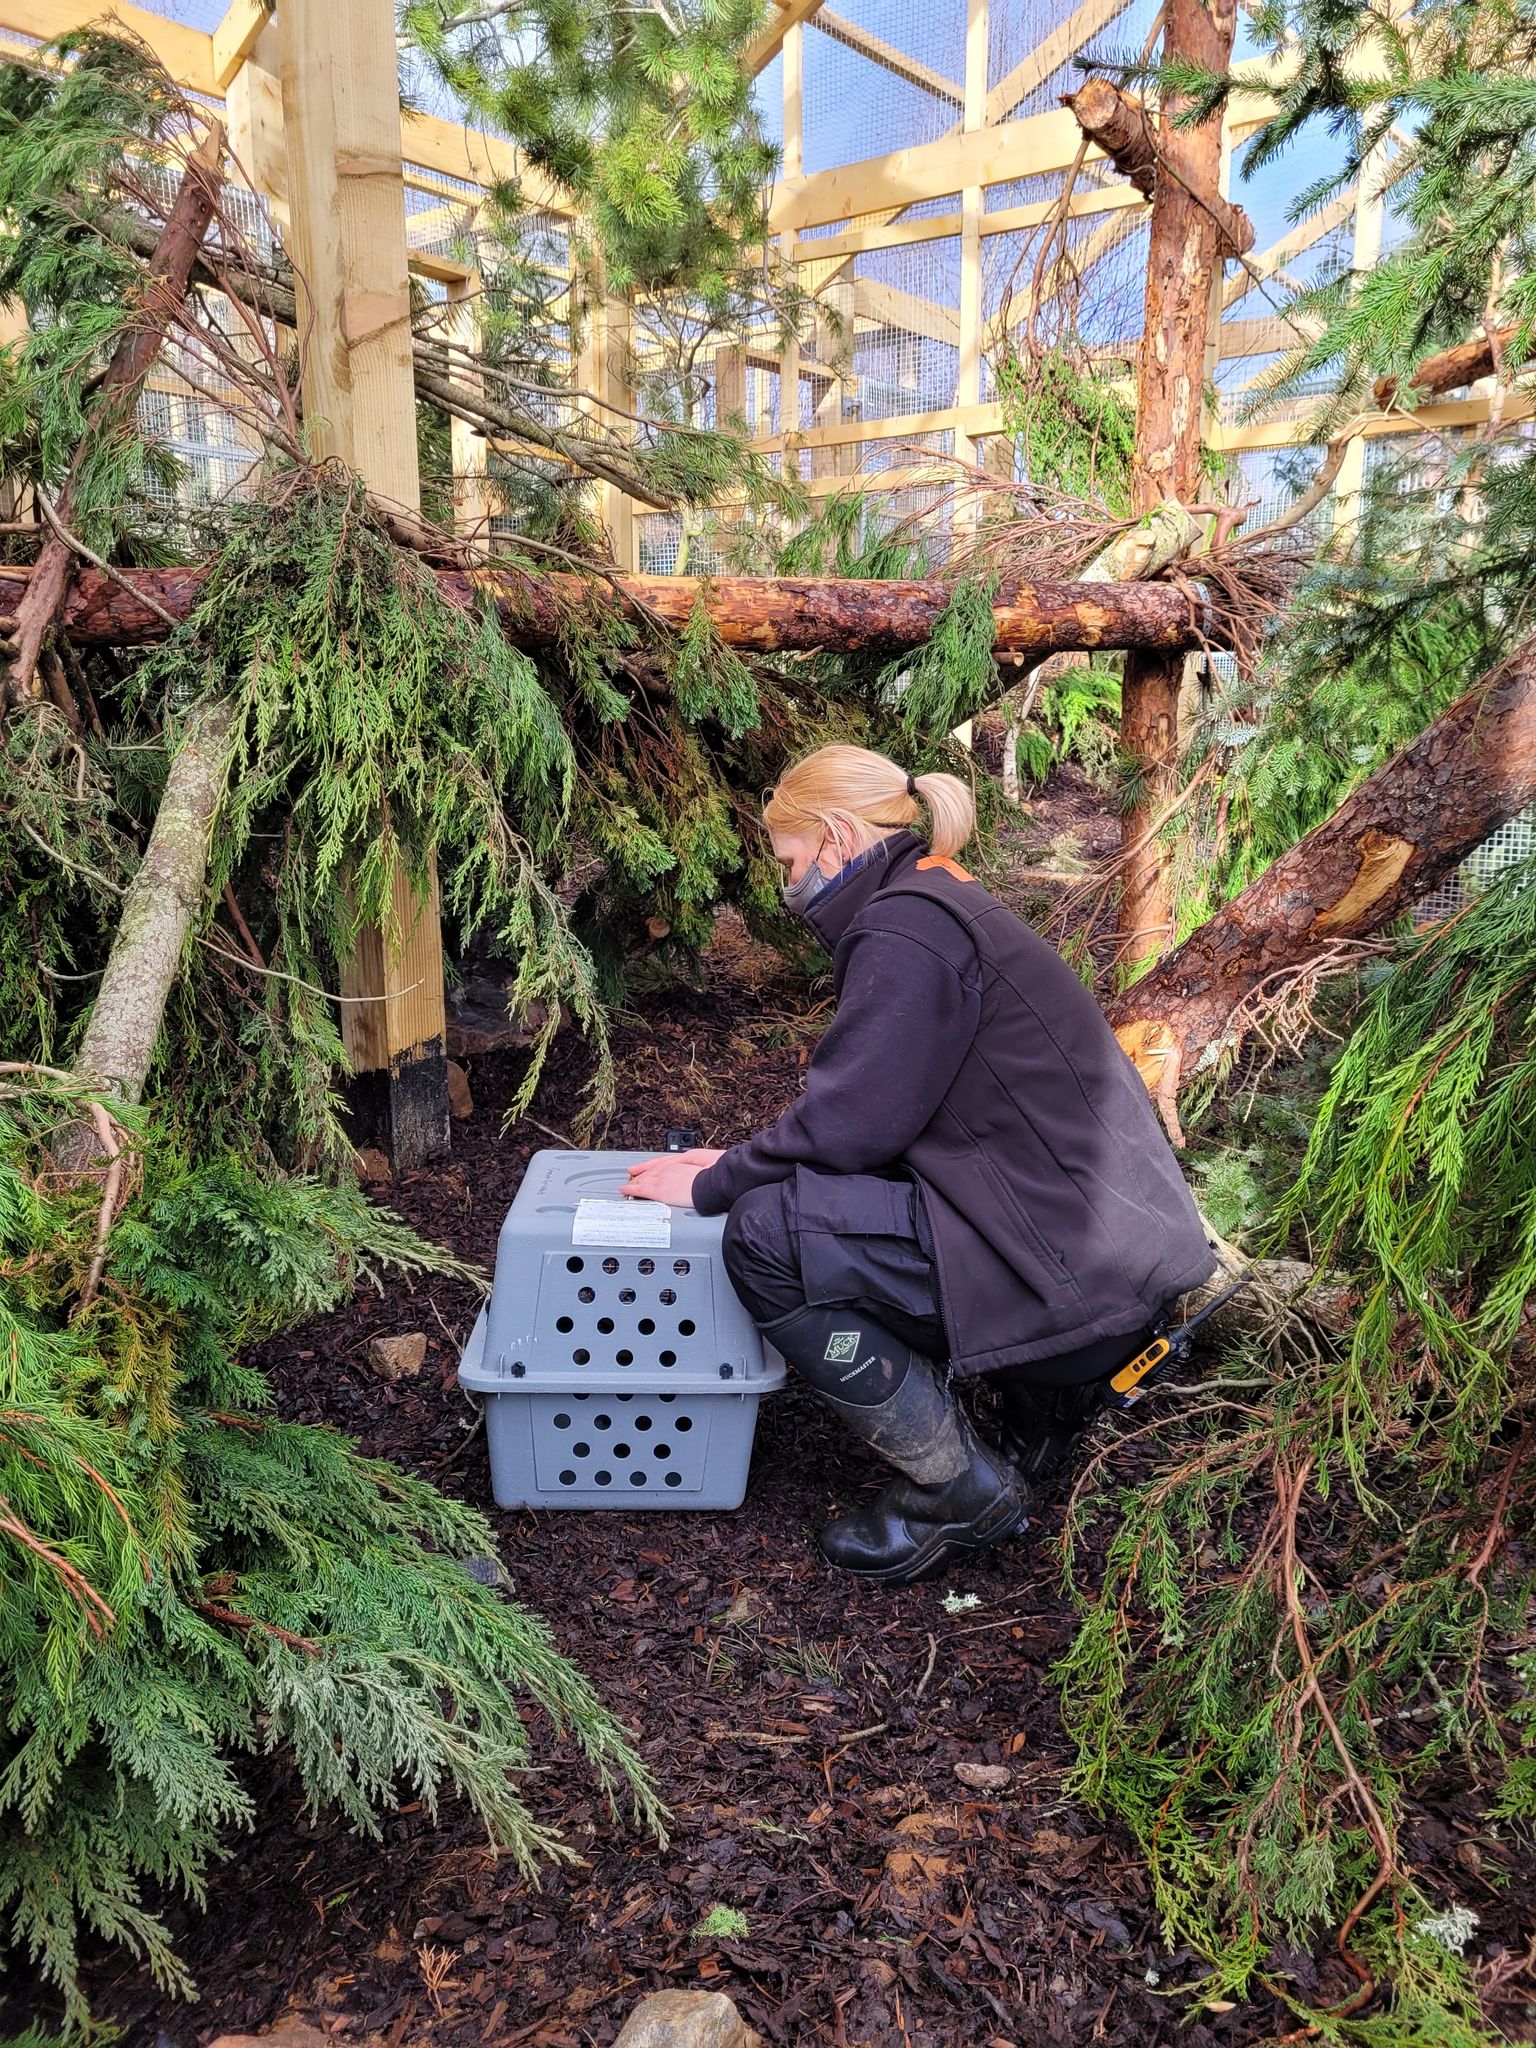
860,1241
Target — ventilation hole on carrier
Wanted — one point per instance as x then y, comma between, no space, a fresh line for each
662,1451
581,1450
666,1399
580,1357
564,1325
667,1295
637,1479
674,1479
681,1266
644,1422
567,1478
624,1357
605,1324
646,1326
684,1422
586,1294
621,1450
686,1327
647,1266
668,1358
623,1397
610,1265
602,1422
628,1294
602,1479
575,1265
581,1397
562,1422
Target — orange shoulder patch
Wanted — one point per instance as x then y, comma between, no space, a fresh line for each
950,867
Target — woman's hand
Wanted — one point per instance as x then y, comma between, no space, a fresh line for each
669,1177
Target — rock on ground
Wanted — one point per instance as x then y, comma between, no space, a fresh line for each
398,1358
286,2034
687,2019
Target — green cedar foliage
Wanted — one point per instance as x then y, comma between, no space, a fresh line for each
1307,1612
184,1579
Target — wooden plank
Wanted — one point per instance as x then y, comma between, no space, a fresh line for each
1050,53
986,156
888,57
341,115
187,53
968,368
788,14
236,36
964,419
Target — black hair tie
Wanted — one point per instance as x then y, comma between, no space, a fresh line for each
911,786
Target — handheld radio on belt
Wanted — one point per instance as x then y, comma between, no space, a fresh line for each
1133,1380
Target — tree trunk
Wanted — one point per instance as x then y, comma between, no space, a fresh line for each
163,898
1121,126
165,288
757,613
1171,369
1410,824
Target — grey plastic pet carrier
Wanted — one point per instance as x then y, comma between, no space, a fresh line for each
618,1367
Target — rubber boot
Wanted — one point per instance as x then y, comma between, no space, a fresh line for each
955,1494
1041,1429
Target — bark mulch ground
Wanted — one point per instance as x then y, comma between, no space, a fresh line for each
810,1734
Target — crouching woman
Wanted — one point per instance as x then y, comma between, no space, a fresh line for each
973,1181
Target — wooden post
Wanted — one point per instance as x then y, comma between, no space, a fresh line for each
968,380
600,370
1370,210
346,193
1170,401
471,493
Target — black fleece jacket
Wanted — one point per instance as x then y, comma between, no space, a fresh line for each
968,1055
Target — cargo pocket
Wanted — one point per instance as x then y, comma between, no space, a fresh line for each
859,1242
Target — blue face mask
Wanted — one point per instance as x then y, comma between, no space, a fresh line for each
799,896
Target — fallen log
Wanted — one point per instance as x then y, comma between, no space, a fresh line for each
759,614
170,266
1400,832
165,895
1451,368
1121,126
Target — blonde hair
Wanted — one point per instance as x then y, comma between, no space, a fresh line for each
857,795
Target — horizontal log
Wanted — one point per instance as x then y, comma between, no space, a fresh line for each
757,614
1121,126
1448,370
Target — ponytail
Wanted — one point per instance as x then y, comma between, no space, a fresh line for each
857,794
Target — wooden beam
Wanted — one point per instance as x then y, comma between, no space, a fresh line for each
1050,53
187,53
889,306
236,36
341,116
888,184
788,14
961,419
888,57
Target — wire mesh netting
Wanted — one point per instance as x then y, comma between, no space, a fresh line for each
881,75
1033,46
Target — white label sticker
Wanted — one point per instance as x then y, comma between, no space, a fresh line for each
622,1222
